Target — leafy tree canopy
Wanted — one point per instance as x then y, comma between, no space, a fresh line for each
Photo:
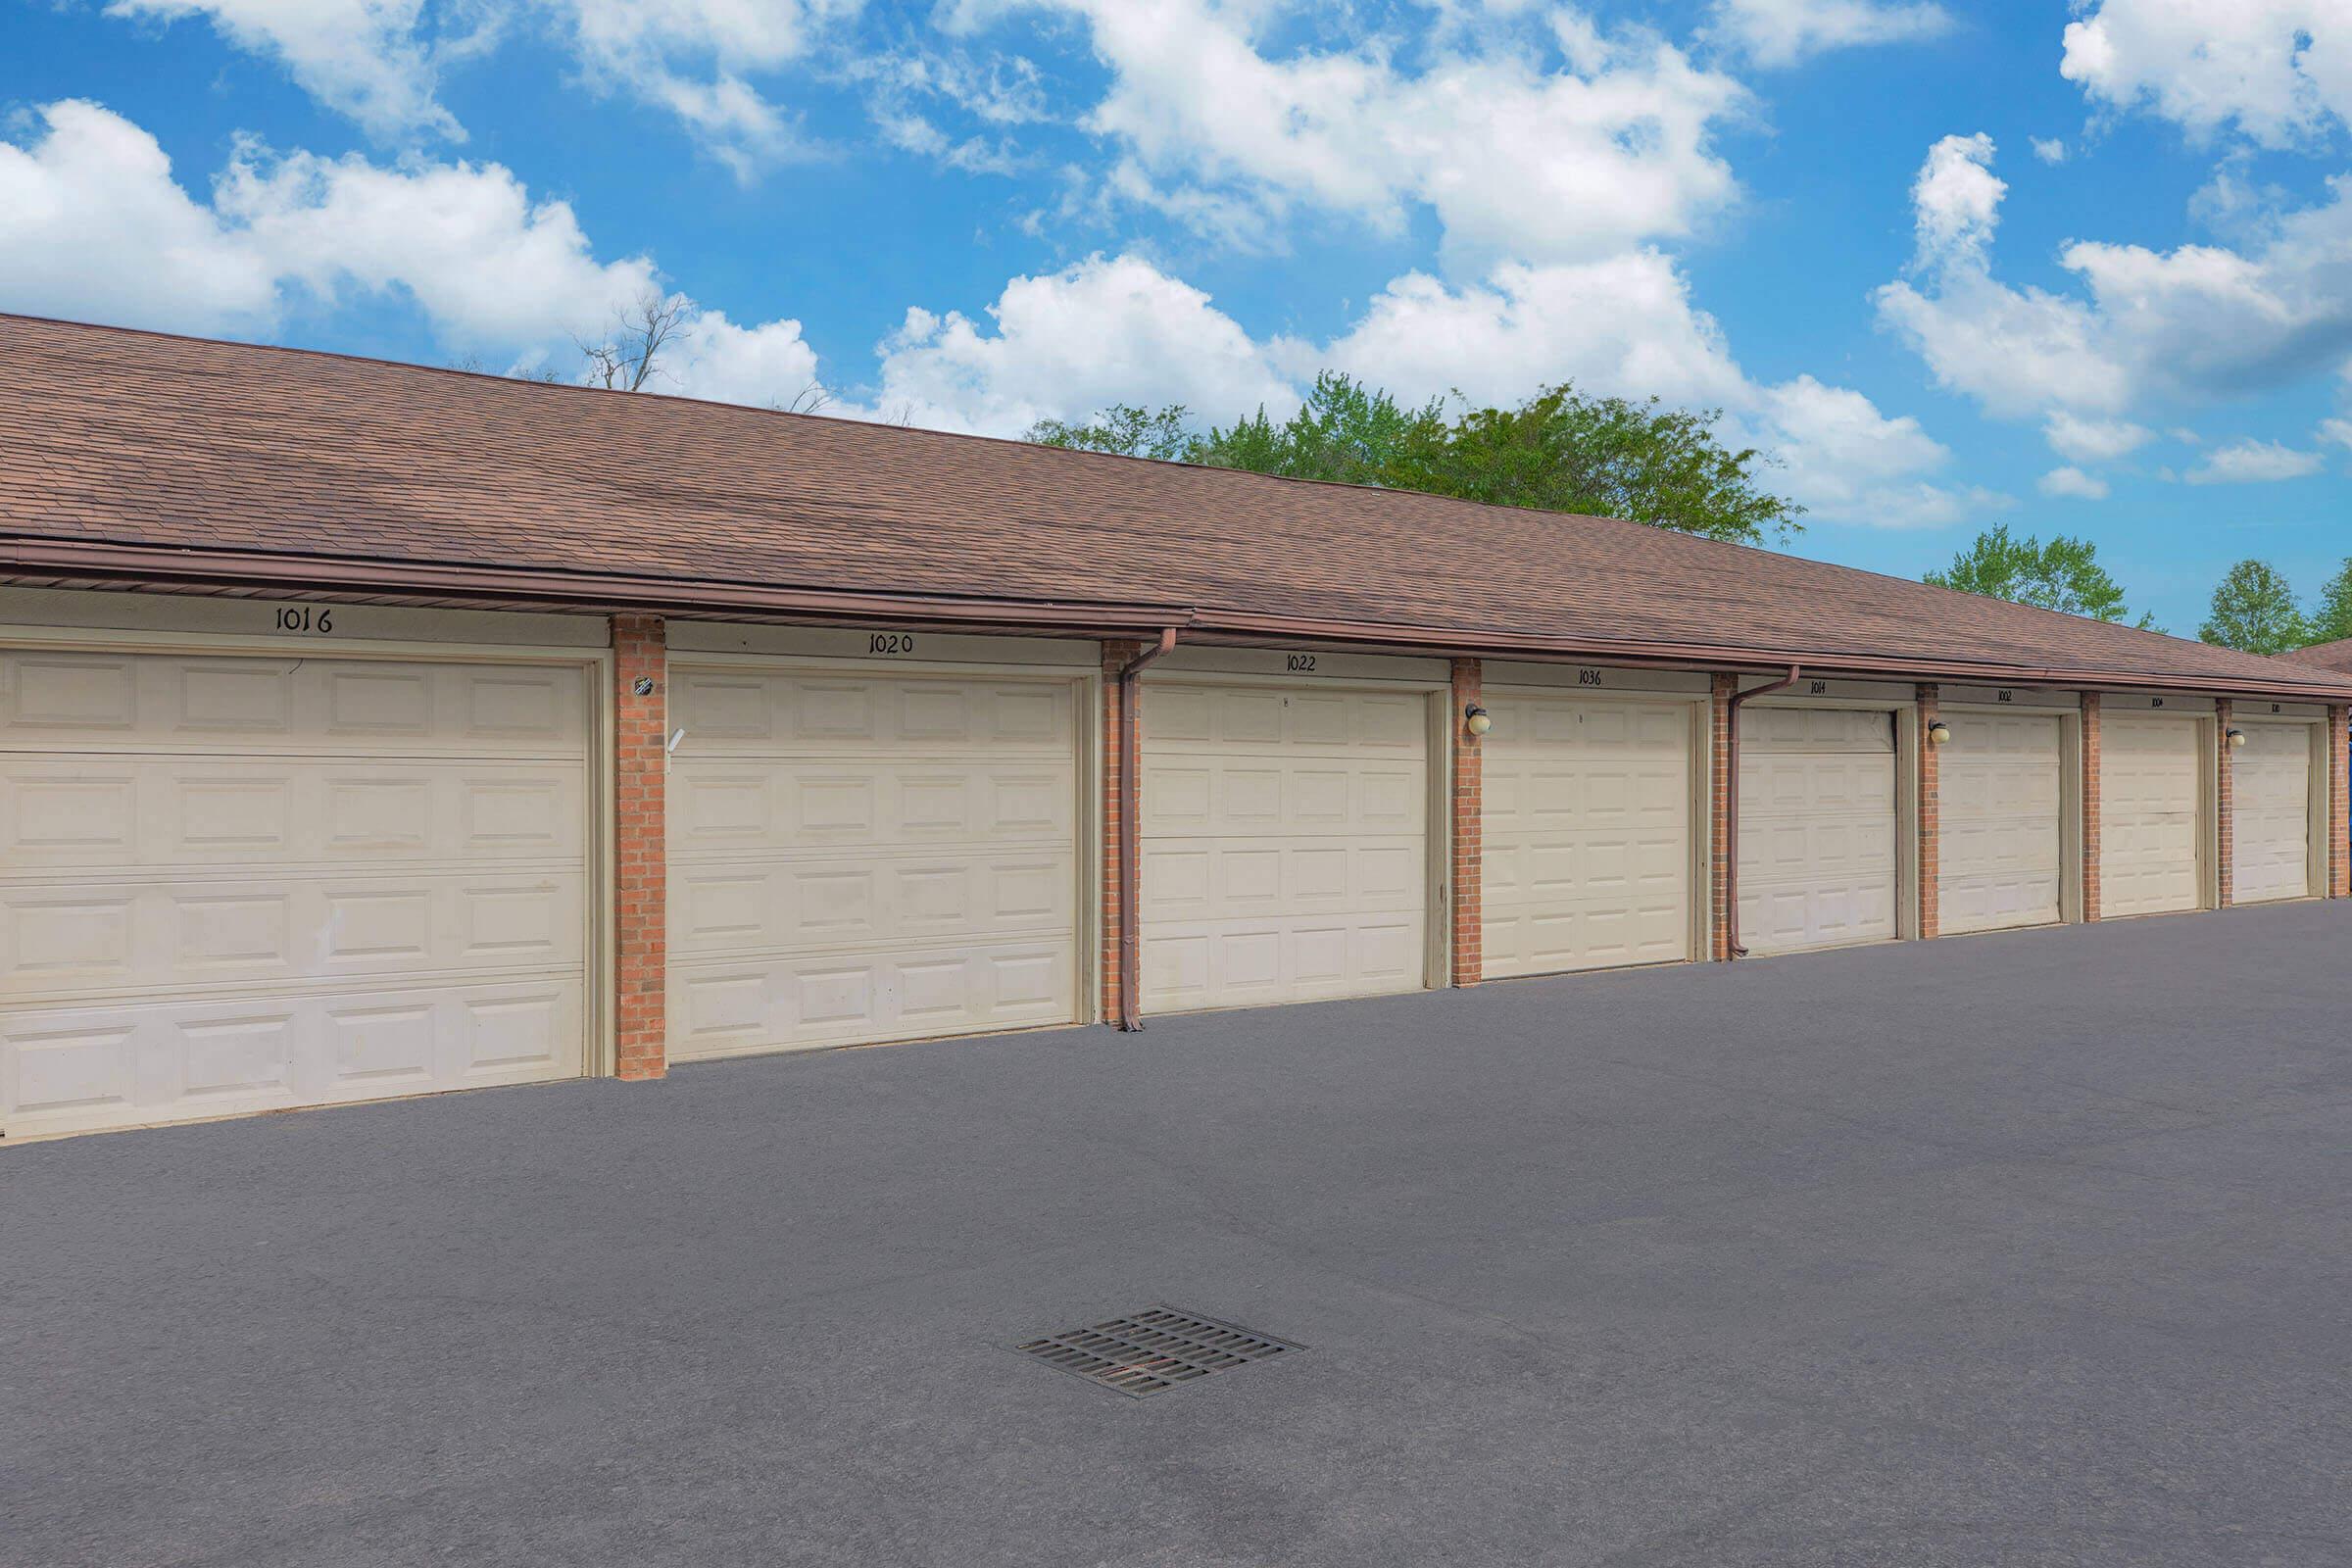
2063,574
1127,430
2332,622
2254,611
1559,450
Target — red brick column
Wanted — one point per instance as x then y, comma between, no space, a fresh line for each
2225,810
1719,815
1117,656
2090,806
2339,808
1930,815
1469,829
641,849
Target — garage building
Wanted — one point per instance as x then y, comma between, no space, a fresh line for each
370,730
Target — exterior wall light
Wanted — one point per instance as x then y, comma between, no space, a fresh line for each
1477,720
1939,733
2237,737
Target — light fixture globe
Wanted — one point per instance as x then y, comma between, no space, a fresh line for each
2237,737
1939,733
1477,720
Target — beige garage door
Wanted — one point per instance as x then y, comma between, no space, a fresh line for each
1817,828
2269,780
2003,832
237,884
1285,844
2151,816
860,856
1587,849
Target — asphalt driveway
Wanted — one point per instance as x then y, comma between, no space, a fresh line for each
2017,1249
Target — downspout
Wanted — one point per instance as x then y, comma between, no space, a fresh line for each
1131,809
1731,807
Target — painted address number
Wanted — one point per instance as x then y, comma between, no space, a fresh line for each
891,642
1819,688
1302,663
305,619
1588,677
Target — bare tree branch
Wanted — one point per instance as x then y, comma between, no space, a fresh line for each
630,355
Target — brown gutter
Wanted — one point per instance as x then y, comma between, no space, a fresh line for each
294,574
609,591
1731,808
1131,834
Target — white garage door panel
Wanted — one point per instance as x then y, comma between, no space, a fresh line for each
1999,778
859,856
1586,851
2270,781
100,1065
1285,845
230,884
1817,828
2151,821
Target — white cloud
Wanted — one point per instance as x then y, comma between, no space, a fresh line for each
2276,70
696,58
378,61
1626,327
1069,343
2049,149
98,230
2196,321
2073,481
361,58
2336,432
102,231
1516,159
2094,440
2255,463
1781,32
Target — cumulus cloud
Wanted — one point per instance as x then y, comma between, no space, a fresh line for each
2094,440
2196,321
1626,326
1563,146
102,231
1069,343
2277,70
2049,149
379,60
362,58
2255,463
1782,32
2073,481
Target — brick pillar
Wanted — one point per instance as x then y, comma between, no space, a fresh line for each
1719,815
1117,796
1931,817
2339,808
640,854
2090,806
1469,829
2225,815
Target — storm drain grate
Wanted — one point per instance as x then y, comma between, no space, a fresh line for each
1153,1351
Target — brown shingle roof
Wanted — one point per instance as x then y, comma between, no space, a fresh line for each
2335,656
112,438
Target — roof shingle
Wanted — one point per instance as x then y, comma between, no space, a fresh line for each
117,438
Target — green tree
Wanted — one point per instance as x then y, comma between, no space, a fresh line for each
1343,431
2332,620
2254,611
1611,458
1127,430
2063,574
1559,451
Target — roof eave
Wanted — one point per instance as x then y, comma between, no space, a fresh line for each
134,565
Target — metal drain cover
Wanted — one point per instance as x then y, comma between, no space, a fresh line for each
1153,1351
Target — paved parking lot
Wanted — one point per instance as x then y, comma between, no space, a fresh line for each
2017,1249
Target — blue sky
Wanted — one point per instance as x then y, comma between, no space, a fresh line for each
2079,268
